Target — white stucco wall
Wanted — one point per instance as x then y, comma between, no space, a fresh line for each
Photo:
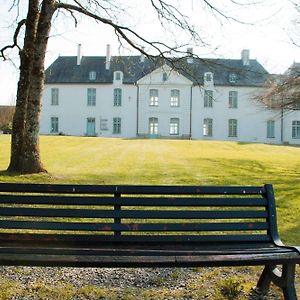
164,111
135,111
73,110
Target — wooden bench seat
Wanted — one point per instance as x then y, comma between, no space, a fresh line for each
145,226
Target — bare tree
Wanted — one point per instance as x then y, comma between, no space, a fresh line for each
25,154
283,91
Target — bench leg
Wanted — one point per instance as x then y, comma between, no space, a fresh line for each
284,279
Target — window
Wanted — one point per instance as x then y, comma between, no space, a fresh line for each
232,77
91,127
270,129
175,97
208,98
232,128
153,125
208,77
296,129
117,97
116,125
153,94
54,96
165,77
117,75
233,99
54,125
208,127
92,75
174,126
91,96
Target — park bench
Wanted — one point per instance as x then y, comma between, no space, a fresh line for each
145,226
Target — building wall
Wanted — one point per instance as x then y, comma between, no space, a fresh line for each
73,110
135,111
251,117
164,112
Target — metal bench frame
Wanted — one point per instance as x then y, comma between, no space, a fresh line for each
145,226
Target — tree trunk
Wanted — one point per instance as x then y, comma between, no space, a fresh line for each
31,160
26,63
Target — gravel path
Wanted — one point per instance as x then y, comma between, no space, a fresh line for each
193,281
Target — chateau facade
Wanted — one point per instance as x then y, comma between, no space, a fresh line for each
191,98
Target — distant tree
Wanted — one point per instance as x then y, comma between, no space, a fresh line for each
6,117
25,153
283,91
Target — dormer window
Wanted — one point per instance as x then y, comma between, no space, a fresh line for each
232,77
92,75
208,77
118,76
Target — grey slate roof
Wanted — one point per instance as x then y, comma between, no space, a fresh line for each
65,70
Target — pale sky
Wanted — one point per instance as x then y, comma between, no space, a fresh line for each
268,40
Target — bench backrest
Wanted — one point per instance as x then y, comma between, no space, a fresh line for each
131,214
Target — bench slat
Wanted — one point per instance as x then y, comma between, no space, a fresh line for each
132,214
89,239
107,227
131,189
131,201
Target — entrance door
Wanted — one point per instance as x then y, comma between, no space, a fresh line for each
91,127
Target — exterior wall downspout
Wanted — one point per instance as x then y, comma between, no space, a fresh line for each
191,105
137,108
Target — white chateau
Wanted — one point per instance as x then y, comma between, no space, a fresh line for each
132,96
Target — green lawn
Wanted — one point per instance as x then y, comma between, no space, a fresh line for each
119,161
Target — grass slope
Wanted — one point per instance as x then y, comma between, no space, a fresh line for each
119,161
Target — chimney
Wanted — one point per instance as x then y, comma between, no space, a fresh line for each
108,57
245,57
190,55
142,58
78,54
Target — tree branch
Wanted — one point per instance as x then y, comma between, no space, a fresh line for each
15,39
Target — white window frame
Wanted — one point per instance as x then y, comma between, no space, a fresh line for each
92,75
117,125
233,99
174,126
153,97
232,77
208,127
296,129
153,125
208,98
175,98
270,129
232,128
54,96
91,97
117,97
208,77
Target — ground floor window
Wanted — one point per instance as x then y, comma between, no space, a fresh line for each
54,125
270,129
174,126
232,128
208,127
296,129
116,125
153,125
91,127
